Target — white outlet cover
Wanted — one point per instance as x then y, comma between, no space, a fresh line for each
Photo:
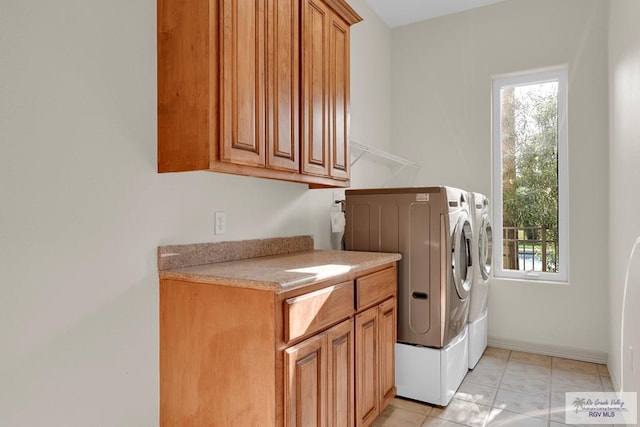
220,223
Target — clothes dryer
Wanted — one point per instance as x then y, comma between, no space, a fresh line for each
431,228
478,304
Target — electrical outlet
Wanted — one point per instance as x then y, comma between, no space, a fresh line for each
221,223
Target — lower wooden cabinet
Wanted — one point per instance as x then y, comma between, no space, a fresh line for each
340,375
375,360
387,363
234,356
367,368
305,383
319,379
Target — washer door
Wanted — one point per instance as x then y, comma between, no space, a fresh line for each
461,259
485,247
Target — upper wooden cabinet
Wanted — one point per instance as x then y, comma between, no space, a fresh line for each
242,68
255,87
283,85
325,91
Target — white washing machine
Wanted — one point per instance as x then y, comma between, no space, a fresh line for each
479,295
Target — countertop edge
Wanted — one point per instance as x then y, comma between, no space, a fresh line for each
380,259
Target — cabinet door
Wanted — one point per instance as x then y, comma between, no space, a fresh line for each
367,367
283,85
339,97
387,345
325,92
305,383
243,40
315,88
340,375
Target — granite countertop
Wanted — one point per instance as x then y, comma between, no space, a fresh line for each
284,270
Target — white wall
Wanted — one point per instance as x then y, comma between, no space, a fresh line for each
82,208
624,158
441,86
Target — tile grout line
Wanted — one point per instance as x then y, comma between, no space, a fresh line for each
495,396
549,393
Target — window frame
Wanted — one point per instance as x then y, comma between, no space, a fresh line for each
499,82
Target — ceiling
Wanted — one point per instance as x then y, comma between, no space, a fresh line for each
402,12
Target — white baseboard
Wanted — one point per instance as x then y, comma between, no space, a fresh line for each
549,350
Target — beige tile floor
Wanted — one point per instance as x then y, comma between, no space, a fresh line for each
506,388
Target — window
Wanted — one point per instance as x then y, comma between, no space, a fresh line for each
530,175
